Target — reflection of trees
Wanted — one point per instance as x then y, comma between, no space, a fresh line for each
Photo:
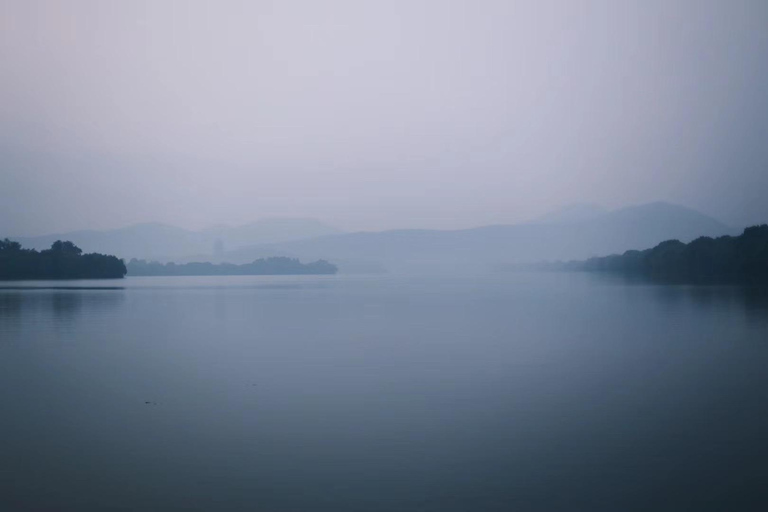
752,300
18,305
65,304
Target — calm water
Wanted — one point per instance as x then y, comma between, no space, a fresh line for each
520,392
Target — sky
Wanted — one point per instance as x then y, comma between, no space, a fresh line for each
374,115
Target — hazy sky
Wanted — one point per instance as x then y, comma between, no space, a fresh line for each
377,114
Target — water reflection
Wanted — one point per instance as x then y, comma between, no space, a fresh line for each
755,300
752,301
532,392
57,304
749,300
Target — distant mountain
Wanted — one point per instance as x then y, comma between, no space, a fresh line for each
150,240
579,212
164,242
576,232
273,230
483,248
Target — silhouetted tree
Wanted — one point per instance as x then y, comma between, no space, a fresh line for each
64,260
743,259
9,245
65,248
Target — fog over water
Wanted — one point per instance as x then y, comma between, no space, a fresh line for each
374,115
530,276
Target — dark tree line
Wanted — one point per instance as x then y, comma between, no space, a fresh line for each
268,266
727,259
64,260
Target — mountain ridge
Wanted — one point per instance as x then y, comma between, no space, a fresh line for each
493,245
418,249
156,240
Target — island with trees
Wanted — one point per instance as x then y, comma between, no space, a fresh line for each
728,259
64,260
260,267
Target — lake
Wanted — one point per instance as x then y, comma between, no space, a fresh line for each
530,392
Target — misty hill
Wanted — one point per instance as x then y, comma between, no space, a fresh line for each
64,260
164,242
488,247
269,266
740,259
266,231
573,213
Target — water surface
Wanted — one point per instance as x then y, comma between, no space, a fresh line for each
513,392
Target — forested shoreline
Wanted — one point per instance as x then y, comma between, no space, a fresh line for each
726,259
268,266
64,260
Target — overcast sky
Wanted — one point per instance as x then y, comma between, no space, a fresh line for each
377,114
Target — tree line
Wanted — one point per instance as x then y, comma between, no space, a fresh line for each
732,259
268,266
64,260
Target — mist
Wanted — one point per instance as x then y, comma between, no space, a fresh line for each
355,255
372,116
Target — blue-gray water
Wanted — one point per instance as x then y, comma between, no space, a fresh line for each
530,392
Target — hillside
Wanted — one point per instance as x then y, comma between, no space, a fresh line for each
163,242
63,260
484,248
739,259
570,214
